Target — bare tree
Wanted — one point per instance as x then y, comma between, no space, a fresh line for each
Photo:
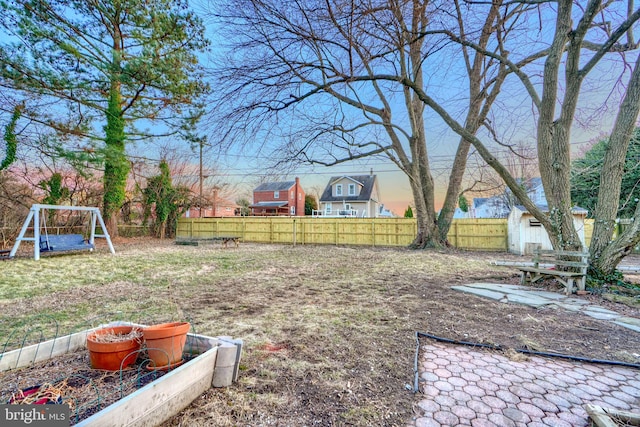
332,81
574,52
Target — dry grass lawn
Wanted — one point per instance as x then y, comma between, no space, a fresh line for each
329,331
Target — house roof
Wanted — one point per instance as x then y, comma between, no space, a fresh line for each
350,178
479,201
367,182
269,204
275,186
222,202
545,208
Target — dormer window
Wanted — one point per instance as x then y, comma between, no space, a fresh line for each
352,189
338,189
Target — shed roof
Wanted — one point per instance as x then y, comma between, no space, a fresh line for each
545,208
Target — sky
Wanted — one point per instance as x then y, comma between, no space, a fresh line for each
242,166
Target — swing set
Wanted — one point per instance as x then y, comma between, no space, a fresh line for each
44,242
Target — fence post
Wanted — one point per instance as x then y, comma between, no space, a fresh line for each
270,230
373,232
294,231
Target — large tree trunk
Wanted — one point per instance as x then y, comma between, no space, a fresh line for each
445,218
553,134
116,167
423,189
605,253
421,180
610,256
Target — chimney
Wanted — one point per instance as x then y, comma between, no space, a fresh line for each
295,196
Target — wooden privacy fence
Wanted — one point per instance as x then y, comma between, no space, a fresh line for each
479,234
621,225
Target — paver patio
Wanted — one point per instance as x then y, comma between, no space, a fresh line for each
476,387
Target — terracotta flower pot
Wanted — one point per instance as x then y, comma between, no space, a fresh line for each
115,355
165,343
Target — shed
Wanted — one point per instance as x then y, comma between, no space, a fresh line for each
526,233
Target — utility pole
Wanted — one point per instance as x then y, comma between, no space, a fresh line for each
201,144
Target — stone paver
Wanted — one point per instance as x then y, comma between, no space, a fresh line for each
536,392
533,297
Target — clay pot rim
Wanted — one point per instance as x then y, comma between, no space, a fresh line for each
164,330
132,344
120,329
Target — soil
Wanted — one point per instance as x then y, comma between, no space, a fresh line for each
69,379
330,332
380,368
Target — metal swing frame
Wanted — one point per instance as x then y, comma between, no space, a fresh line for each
34,218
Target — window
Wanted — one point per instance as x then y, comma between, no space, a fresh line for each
534,223
339,190
293,210
352,189
327,208
276,194
292,196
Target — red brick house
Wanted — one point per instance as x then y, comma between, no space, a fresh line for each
218,207
278,198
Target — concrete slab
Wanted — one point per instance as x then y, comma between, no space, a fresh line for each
536,298
570,307
499,287
549,295
599,315
538,294
530,300
630,320
599,309
623,321
575,301
480,292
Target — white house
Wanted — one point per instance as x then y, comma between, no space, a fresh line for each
499,207
350,196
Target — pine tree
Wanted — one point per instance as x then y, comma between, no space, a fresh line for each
91,69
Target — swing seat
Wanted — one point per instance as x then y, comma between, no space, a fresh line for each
64,242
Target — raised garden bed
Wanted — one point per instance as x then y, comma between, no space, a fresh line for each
131,397
607,417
